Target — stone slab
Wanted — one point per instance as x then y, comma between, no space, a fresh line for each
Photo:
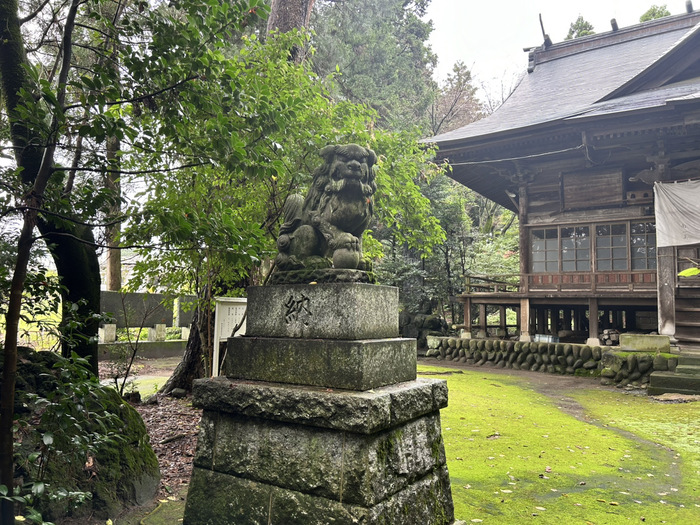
215,498
354,411
324,311
355,468
354,365
645,343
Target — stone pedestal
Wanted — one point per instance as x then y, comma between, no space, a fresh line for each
316,423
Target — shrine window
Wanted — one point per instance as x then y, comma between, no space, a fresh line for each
643,245
611,247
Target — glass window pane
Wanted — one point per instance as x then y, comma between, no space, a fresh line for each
538,234
568,266
552,266
552,244
602,230
585,243
619,253
619,229
583,266
619,264
603,241
604,265
538,267
604,253
538,256
567,244
568,255
551,233
567,232
619,240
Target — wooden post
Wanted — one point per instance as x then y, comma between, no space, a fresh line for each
541,316
523,238
482,321
666,286
593,322
566,319
524,319
468,316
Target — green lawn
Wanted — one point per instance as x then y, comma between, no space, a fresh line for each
515,457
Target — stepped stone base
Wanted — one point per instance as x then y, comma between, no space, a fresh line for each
684,380
286,454
670,382
353,365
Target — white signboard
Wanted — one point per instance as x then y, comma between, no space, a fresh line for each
228,313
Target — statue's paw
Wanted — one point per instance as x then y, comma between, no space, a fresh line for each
346,241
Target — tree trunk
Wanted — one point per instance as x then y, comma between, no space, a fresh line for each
192,365
112,232
74,254
286,15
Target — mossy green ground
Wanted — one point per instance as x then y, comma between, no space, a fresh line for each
515,456
518,456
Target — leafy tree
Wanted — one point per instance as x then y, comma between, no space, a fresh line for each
455,103
654,12
380,49
579,28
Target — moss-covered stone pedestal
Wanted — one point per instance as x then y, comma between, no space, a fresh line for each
340,432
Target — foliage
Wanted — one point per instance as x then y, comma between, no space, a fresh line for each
579,28
62,433
455,103
380,49
654,12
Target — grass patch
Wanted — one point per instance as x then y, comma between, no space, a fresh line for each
515,457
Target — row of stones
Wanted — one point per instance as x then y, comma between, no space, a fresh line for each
554,358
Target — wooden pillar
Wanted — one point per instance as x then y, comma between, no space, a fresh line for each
593,322
523,238
666,285
482,321
541,316
468,315
566,319
502,320
524,319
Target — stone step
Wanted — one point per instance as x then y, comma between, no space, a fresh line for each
686,359
688,370
670,382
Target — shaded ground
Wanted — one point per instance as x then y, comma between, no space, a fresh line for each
173,424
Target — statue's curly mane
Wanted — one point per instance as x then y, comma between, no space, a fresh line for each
322,178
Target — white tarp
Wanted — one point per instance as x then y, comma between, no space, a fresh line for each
677,209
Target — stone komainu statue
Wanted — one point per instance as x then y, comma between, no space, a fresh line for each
324,229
